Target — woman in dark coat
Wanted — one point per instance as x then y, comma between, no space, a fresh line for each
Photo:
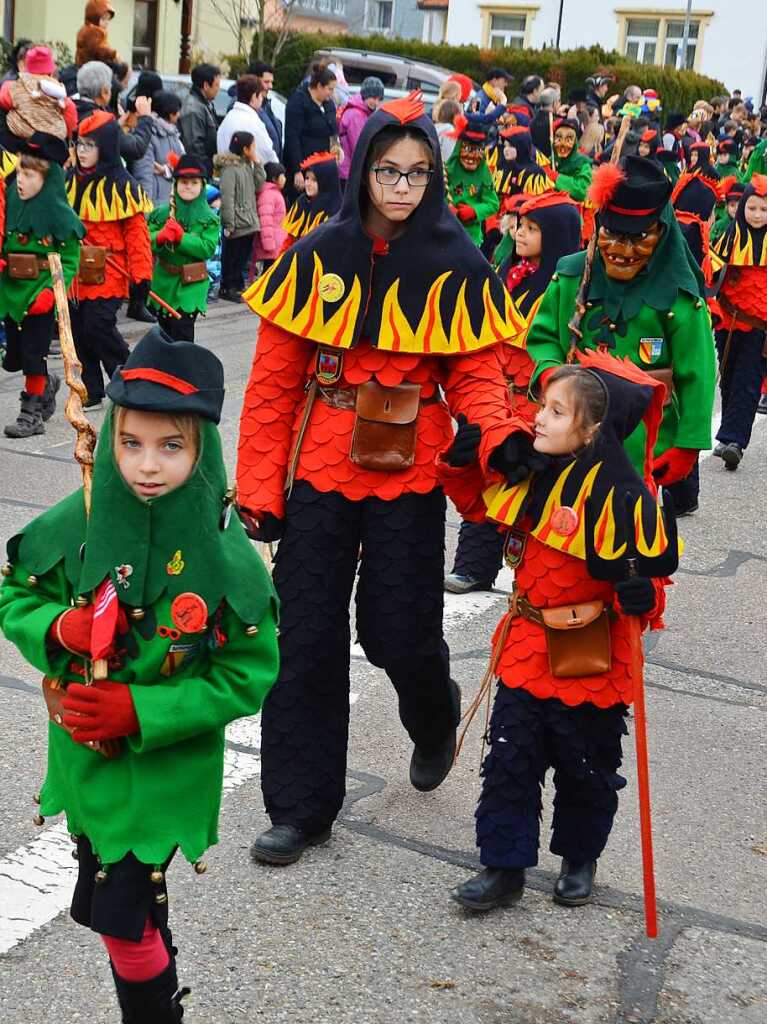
310,122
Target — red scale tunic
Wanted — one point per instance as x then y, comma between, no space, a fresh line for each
128,245
274,402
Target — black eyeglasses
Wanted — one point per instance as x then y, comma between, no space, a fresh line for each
418,178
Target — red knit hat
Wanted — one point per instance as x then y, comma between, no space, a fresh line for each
39,61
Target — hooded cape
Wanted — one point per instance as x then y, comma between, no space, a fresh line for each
305,214
48,214
170,545
108,192
601,472
429,291
742,245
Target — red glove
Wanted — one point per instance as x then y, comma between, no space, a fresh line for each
3,264
43,303
72,629
171,233
551,173
102,711
465,213
674,465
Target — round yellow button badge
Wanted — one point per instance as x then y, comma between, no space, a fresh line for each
331,288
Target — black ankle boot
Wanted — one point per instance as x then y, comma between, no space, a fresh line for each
430,767
157,1001
575,882
491,888
284,844
137,308
52,385
30,418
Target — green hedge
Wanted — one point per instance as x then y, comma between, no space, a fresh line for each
678,89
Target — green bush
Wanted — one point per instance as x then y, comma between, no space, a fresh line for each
678,90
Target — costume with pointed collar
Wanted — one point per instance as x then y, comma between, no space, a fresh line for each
524,173
307,213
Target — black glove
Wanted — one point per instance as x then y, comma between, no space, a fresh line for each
265,528
516,458
465,444
636,595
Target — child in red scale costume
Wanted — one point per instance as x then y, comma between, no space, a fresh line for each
740,319
555,707
549,227
365,326
112,206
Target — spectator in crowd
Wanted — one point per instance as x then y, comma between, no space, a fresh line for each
597,87
94,91
493,91
272,123
593,138
449,90
241,177
529,94
16,61
198,120
271,235
353,117
310,122
154,171
541,124
448,112
244,117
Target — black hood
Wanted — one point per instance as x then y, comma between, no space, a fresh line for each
429,290
107,192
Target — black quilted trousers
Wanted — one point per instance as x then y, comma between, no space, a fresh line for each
305,720
527,736
480,552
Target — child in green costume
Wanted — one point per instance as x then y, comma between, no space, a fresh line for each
470,188
184,614
38,221
184,236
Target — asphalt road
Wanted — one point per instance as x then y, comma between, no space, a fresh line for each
362,931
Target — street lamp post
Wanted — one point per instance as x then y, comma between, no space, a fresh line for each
685,37
559,23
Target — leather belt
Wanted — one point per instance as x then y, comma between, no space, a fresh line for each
520,606
346,397
172,268
744,318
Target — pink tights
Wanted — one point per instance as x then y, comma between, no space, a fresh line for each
138,961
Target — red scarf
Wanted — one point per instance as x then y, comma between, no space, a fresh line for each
519,272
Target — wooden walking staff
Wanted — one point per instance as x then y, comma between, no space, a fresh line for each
86,436
630,565
152,295
574,326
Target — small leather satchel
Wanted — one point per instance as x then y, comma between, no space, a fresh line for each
23,266
193,273
578,639
93,264
385,426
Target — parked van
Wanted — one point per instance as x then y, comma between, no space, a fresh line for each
395,72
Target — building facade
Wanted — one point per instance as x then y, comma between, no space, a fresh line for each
727,41
169,34
401,18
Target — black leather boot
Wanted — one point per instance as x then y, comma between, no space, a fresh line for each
575,882
491,888
284,844
52,386
429,769
30,418
137,308
157,1001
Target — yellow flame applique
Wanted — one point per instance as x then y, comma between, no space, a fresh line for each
310,321
93,203
432,334
504,503
520,322
297,222
7,163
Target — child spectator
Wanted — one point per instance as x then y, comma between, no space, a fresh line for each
271,213
241,178
154,170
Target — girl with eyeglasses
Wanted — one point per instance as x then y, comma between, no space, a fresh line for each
374,331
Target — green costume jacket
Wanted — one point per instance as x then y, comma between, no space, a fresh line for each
475,188
164,789
41,225
758,162
574,176
673,331
201,232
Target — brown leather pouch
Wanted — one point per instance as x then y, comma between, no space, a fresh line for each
578,639
54,694
385,426
193,273
93,264
23,266
666,377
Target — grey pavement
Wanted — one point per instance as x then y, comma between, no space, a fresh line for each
362,930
